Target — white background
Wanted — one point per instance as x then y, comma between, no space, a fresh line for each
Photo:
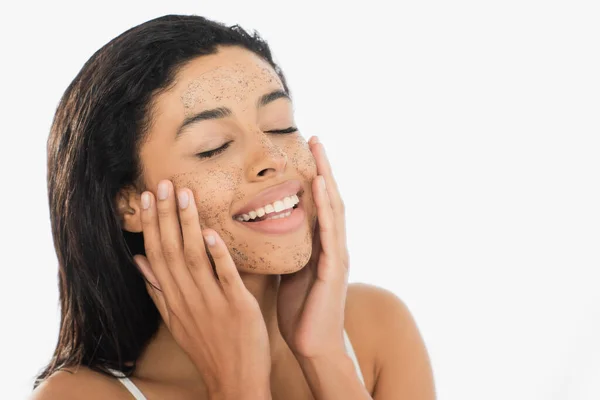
465,139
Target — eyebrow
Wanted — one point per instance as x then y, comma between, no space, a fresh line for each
223,112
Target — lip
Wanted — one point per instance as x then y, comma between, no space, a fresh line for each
270,195
281,226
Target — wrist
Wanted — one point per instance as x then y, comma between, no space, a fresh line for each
245,396
238,386
241,393
333,377
332,358
327,361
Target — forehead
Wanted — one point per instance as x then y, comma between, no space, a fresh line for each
232,75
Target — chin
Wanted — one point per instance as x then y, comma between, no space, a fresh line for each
275,257
269,252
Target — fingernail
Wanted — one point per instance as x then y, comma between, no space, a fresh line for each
145,200
184,199
314,140
163,191
210,240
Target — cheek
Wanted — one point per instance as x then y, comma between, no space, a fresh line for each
303,161
214,190
302,158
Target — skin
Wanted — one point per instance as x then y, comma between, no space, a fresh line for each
228,180
390,351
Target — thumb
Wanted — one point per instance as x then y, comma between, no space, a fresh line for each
144,266
152,286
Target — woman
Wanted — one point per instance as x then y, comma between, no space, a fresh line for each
201,239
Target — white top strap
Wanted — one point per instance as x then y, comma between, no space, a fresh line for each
350,351
139,396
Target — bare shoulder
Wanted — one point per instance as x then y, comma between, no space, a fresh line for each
79,383
368,303
374,314
385,335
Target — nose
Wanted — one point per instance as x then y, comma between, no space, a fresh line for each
266,159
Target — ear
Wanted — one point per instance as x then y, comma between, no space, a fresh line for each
129,208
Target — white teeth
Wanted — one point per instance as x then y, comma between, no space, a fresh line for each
278,206
284,215
286,203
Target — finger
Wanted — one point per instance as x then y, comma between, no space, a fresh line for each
327,229
171,240
329,237
153,248
153,287
193,244
316,245
324,169
228,274
144,266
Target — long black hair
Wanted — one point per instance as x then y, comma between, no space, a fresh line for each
107,317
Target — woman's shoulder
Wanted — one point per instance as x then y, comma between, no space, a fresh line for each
387,343
370,310
79,383
366,306
363,299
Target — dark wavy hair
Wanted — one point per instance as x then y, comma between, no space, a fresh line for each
107,317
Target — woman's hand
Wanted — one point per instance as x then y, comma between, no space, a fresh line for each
217,322
311,302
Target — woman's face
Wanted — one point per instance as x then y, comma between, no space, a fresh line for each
232,83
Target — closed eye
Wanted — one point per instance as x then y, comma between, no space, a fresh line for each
291,129
211,153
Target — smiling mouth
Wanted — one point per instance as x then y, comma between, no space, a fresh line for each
281,208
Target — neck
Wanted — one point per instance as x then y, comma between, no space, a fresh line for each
164,360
